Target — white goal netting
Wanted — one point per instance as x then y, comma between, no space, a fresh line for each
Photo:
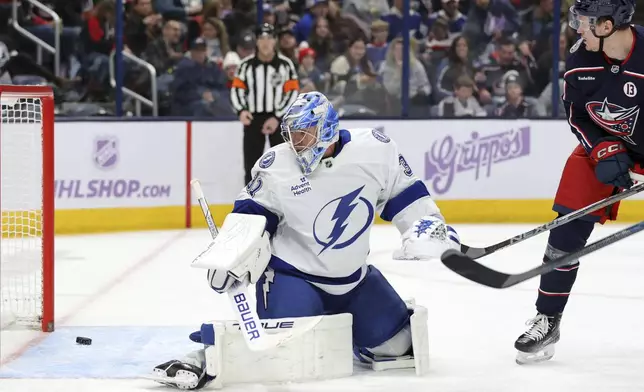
21,201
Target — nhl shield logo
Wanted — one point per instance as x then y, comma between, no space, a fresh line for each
106,152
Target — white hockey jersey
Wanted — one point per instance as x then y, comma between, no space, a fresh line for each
320,224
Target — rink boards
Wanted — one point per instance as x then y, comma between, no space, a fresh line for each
134,175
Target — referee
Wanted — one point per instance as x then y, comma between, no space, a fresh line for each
264,87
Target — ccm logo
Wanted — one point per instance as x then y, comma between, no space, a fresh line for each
610,150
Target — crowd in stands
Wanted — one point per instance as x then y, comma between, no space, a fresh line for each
467,57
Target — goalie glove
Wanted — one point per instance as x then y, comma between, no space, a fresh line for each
428,238
241,251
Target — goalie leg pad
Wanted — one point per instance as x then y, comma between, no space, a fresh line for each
378,311
319,349
384,356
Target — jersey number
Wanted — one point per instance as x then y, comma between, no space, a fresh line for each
254,185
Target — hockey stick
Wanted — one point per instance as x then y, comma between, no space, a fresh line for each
475,253
476,272
249,322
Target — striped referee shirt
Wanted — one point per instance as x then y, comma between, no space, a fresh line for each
264,88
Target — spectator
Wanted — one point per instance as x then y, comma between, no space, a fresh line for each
180,10
503,60
543,73
287,45
213,9
143,25
321,41
462,103
355,79
366,10
450,14
319,9
41,24
311,78
516,105
394,18
246,45
97,37
391,72
377,48
438,42
199,85
458,64
166,51
241,18
213,31
346,27
489,20
536,28
292,21
230,66
269,14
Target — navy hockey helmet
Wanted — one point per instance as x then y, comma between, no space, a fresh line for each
619,11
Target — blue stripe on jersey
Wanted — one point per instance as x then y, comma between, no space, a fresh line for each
399,202
282,266
345,137
248,206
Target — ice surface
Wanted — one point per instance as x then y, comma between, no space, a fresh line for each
135,295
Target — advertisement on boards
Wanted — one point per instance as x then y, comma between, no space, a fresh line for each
129,164
484,159
218,160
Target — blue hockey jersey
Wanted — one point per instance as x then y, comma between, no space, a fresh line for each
603,97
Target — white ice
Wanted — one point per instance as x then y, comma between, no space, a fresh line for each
128,280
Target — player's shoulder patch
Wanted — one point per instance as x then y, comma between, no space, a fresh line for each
267,160
380,136
405,166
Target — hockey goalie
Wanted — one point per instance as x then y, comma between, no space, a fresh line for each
302,225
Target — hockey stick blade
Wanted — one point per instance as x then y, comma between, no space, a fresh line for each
470,269
476,253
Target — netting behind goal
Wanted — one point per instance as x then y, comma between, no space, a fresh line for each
21,201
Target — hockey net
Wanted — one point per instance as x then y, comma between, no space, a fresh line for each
27,204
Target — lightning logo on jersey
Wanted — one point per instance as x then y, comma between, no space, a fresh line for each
615,119
340,218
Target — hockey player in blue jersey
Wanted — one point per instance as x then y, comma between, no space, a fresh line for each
603,95
319,193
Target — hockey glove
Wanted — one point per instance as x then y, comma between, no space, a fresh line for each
428,238
613,163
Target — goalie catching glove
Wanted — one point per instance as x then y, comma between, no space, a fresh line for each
240,252
427,239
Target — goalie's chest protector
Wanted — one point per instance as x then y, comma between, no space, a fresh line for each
327,216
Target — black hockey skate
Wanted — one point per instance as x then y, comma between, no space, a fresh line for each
180,375
537,344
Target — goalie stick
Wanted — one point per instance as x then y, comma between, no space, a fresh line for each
244,310
476,272
476,253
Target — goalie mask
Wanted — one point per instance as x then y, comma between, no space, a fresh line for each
310,126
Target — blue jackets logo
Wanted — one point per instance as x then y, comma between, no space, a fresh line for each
614,119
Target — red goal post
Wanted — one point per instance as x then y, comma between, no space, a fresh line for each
27,204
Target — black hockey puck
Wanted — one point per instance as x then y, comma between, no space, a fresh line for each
83,341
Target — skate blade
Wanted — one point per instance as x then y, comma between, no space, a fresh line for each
540,356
